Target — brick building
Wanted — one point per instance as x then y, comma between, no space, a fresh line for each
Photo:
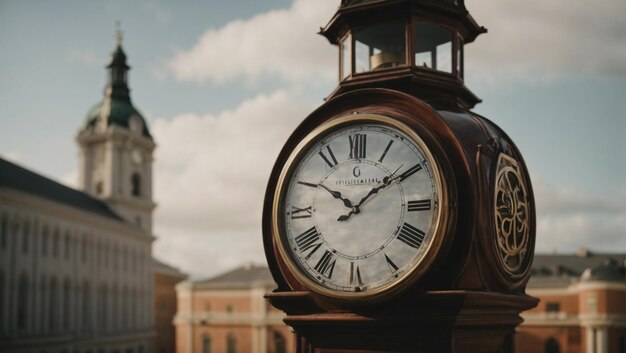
582,307
228,314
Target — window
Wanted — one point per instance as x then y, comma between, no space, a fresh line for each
44,299
552,307
103,307
279,343
99,188
552,346
135,181
22,302
207,306
346,62
44,242
433,47
86,306
231,343
68,245
53,305
380,47
3,233
229,308
206,343
26,234
83,249
2,298
67,288
55,244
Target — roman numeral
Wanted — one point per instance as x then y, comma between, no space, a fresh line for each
414,169
411,236
355,274
332,157
380,160
419,205
392,267
297,213
326,265
307,239
358,146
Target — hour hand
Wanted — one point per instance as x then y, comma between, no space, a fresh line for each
337,195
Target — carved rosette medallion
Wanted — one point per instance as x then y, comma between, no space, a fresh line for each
512,216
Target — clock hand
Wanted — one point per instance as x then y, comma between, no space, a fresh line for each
337,195
356,209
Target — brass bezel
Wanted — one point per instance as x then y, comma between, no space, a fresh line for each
440,222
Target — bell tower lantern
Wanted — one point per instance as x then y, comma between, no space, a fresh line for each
115,158
411,46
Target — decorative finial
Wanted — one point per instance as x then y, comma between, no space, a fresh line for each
118,33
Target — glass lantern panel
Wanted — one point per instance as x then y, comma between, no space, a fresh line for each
459,59
381,46
346,66
433,47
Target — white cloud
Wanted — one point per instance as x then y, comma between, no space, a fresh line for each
531,40
541,39
279,42
568,219
210,177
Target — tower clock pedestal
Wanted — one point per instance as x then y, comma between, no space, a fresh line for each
395,219
431,322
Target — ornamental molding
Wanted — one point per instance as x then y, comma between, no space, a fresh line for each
511,216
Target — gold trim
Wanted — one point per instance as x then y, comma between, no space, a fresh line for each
440,221
511,216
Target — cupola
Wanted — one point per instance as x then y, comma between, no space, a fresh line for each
415,46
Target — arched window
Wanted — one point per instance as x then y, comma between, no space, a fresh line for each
86,305
552,346
206,343
67,288
22,302
53,304
135,181
280,345
231,343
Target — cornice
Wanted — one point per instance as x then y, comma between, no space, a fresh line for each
71,214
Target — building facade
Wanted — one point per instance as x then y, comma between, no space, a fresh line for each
75,265
165,279
582,307
228,314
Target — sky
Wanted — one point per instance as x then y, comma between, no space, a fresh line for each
223,84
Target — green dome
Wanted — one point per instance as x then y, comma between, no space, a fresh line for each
115,112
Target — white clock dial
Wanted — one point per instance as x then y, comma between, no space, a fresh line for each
360,207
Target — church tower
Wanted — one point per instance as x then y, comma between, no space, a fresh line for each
115,158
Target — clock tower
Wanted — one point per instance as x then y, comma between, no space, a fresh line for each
395,218
115,157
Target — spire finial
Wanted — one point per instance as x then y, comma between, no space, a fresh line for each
118,33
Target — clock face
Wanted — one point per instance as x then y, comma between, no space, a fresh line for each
359,206
136,156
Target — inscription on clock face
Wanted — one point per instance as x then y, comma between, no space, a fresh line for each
360,207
